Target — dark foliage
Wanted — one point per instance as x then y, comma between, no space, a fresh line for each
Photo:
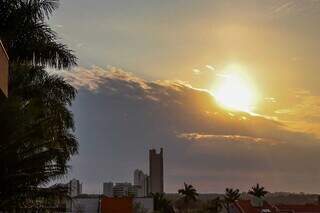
36,133
26,36
161,204
213,206
36,124
258,191
188,195
231,195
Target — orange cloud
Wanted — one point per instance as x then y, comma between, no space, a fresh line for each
196,137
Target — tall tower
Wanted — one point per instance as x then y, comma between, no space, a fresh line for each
156,171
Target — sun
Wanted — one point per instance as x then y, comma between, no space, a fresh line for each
234,90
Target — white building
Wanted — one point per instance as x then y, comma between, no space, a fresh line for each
85,204
141,181
107,189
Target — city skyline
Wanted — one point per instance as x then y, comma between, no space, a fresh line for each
229,89
169,106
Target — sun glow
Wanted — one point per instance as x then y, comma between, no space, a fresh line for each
234,90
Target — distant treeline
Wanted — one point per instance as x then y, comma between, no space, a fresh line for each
272,198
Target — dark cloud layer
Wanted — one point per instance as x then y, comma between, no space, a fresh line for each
120,116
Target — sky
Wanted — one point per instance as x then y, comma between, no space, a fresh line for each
165,73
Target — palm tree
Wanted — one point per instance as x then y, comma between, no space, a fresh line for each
231,195
258,191
189,195
36,124
36,136
213,206
27,37
162,204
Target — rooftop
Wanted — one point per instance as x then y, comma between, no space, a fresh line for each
307,208
245,206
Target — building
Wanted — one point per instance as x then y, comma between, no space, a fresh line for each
116,205
85,203
255,205
306,208
123,190
75,188
138,177
141,181
126,205
156,171
252,206
107,189
4,70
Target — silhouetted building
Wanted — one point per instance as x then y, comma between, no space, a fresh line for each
244,206
75,188
298,208
4,69
107,189
140,180
156,171
124,190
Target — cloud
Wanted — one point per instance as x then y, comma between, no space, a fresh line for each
287,6
302,112
196,71
295,6
92,79
208,69
119,116
196,137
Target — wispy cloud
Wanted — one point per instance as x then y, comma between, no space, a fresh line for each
196,71
289,6
285,7
302,113
197,137
206,69
210,67
95,77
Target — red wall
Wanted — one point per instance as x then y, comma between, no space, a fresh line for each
116,205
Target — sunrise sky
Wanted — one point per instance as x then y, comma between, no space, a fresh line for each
228,88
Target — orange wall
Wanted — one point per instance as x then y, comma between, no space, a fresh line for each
116,205
3,71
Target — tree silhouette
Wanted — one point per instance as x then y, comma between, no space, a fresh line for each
26,36
231,195
36,124
258,191
161,204
36,136
189,195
